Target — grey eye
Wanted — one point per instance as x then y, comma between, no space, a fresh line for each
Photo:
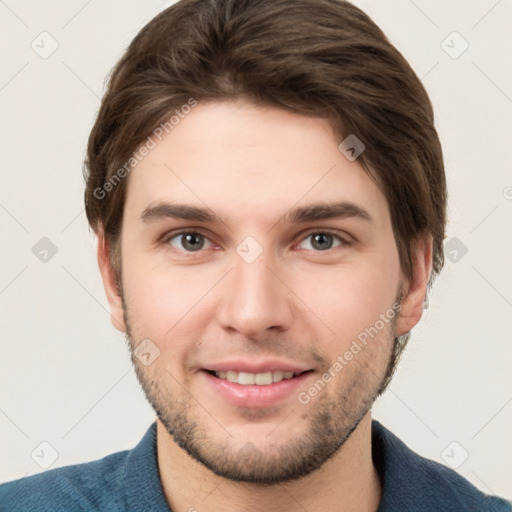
322,241
188,241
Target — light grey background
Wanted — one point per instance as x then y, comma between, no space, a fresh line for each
66,378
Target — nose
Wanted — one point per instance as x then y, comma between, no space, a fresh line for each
255,298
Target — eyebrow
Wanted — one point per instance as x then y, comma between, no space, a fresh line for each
313,212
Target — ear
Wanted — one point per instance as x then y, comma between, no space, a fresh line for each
415,289
107,275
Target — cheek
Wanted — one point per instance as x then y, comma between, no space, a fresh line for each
349,300
161,301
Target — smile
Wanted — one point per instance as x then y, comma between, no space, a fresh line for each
246,389
259,379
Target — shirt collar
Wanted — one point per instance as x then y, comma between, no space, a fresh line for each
143,488
408,481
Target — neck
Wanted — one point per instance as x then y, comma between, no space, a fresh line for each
347,481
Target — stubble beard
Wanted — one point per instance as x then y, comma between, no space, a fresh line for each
333,417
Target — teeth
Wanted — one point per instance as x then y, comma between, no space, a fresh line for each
260,379
246,378
232,376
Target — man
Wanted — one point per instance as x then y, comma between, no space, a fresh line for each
268,191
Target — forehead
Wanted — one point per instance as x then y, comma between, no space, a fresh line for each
250,163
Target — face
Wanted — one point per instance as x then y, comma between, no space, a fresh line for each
290,267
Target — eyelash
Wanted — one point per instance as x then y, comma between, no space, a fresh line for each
170,236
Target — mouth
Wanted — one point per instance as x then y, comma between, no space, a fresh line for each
258,379
254,390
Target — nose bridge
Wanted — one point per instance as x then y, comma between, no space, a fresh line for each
254,298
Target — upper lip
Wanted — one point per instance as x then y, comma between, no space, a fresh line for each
268,365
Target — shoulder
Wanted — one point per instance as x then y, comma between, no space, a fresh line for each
95,485
413,482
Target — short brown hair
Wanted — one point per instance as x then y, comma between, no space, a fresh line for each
322,58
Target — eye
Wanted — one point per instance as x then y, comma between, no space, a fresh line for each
323,240
190,241
193,241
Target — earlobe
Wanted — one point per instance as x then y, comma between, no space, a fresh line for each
414,296
109,284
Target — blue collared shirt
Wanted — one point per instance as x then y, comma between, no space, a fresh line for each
129,481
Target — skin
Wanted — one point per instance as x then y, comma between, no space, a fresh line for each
299,301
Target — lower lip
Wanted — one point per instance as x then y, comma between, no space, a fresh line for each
254,395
